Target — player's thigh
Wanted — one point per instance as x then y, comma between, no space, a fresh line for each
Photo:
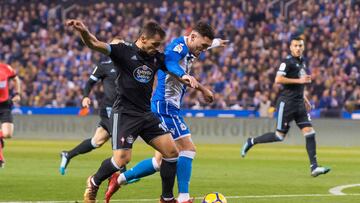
165,145
176,125
303,119
7,129
155,133
122,156
101,136
185,144
125,129
285,114
105,123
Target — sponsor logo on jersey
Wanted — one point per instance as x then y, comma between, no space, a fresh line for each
143,74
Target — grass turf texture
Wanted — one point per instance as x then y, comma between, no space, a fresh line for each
31,173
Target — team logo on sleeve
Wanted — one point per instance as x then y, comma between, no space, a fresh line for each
178,48
143,74
282,66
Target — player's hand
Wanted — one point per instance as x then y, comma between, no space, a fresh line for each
191,81
77,24
224,42
208,95
305,79
86,102
16,98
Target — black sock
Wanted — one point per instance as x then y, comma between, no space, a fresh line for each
267,137
311,150
168,173
82,148
106,169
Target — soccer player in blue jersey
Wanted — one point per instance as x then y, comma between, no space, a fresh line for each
166,103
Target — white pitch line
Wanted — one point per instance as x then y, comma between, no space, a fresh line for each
227,197
338,189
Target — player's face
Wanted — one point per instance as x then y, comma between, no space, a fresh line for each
297,48
151,44
199,43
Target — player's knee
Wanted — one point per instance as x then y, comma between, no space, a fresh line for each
309,132
121,160
7,134
173,153
97,142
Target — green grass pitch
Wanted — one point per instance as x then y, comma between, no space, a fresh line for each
269,173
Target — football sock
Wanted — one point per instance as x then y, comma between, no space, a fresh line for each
311,149
183,172
84,147
168,173
267,137
144,168
107,168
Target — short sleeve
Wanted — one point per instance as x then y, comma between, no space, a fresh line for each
118,52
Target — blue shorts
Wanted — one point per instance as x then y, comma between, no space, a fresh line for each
175,124
169,116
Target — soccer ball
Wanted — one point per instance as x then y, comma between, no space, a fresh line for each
214,197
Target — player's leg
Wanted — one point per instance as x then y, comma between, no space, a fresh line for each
123,129
166,146
284,117
100,137
6,131
303,121
187,151
157,135
142,169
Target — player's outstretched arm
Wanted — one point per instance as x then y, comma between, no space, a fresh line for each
89,39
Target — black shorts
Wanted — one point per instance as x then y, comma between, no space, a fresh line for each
126,127
5,112
105,119
288,111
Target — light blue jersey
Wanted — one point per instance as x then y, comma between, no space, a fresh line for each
167,99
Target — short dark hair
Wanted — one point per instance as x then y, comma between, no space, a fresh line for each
204,29
152,28
296,38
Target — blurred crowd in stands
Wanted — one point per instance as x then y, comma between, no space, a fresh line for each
54,65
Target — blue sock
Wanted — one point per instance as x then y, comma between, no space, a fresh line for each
142,169
183,171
